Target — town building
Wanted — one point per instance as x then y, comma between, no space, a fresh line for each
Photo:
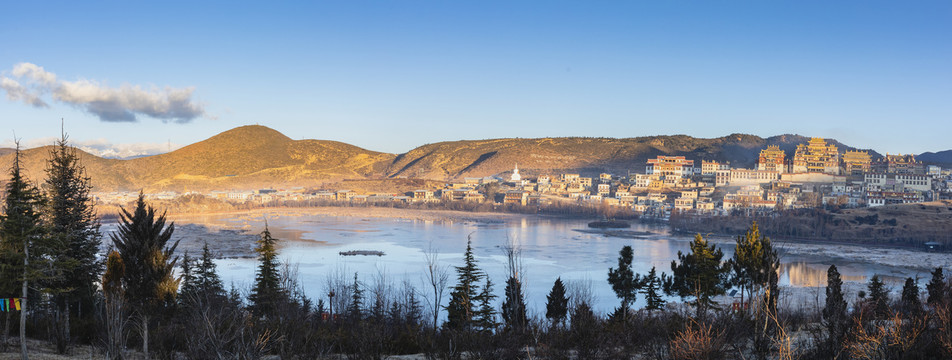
816,157
772,159
711,167
899,164
898,182
670,166
856,163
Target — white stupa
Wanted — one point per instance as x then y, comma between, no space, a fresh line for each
515,174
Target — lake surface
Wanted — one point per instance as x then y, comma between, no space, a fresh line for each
551,248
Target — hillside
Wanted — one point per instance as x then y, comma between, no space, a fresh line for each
247,157
476,158
942,158
252,157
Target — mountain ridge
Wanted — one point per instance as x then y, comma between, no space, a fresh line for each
254,156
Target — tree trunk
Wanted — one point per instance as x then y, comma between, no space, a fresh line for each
145,336
23,299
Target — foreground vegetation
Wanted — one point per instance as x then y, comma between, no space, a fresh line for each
145,297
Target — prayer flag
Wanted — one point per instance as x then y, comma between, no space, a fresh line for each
3,304
17,303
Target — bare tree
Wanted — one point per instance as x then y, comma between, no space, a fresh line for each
339,290
437,277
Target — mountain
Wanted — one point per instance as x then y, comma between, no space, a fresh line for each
476,158
943,158
247,157
253,157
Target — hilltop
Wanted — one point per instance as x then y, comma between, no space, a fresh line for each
251,157
245,157
475,158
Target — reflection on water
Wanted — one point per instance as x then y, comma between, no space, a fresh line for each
802,274
550,248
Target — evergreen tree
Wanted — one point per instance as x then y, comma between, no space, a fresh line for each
652,290
755,262
20,231
208,282
879,297
623,281
911,305
461,310
113,289
514,307
834,313
699,274
485,318
142,242
936,288
557,304
356,301
188,288
267,292
74,238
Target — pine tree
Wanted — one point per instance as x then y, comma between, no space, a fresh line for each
188,289
20,232
206,276
485,319
267,292
834,313
652,290
461,310
755,262
557,304
514,307
911,305
142,242
356,302
115,312
936,288
623,281
74,238
699,274
879,297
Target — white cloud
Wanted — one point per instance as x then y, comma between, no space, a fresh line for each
34,73
123,104
17,92
101,147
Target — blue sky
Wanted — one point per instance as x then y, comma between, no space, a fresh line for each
392,75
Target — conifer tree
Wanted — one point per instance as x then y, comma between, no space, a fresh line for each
461,310
699,274
206,276
20,233
557,304
623,281
652,290
188,289
115,309
267,292
755,262
936,288
834,313
142,242
485,319
514,307
356,301
911,305
74,238
879,297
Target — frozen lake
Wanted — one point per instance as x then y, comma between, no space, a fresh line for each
551,248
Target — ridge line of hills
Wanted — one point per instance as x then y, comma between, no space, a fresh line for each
254,156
